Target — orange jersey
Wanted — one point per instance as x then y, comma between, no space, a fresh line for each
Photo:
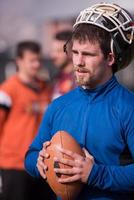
64,83
24,107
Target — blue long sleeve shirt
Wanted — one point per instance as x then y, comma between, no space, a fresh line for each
101,120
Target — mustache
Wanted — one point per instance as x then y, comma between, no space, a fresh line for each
79,69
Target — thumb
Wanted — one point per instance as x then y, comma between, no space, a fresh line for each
87,154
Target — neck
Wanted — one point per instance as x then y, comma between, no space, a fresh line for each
25,78
102,81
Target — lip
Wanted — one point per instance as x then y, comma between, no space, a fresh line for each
81,71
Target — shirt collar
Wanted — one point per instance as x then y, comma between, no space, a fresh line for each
101,90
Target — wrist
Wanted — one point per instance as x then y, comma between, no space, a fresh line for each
93,174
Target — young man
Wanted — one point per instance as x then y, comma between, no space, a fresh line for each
64,82
23,99
99,113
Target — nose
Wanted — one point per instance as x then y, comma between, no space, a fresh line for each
80,61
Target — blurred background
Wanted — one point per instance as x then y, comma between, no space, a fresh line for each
39,20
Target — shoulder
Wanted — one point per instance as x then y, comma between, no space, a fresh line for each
9,84
123,103
6,92
63,101
125,96
67,98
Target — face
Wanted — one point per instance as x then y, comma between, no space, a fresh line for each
90,67
29,64
58,56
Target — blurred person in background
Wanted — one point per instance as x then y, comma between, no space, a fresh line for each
23,100
4,59
64,81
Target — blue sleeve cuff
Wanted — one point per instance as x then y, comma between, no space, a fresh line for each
93,175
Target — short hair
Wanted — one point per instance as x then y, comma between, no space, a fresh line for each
64,35
93,33
27,46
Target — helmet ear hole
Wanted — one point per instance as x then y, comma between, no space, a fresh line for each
124,54
126,57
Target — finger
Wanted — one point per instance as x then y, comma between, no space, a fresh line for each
46,144
70,171
41,171
87,154
65,161
46,155
71,154
69,179
79,163
41,164
43,154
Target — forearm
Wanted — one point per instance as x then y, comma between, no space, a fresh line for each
113,178
34,149
30,163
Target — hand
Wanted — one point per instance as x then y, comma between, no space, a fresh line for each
40,161
80,166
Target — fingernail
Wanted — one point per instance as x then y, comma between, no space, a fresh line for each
47,155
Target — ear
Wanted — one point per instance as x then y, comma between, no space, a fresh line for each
111,59
18,61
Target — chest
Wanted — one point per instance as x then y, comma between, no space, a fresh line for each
28,101
97,126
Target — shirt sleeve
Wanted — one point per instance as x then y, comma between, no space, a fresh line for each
116,178
113,178
7,94
5,106
5,100
33,151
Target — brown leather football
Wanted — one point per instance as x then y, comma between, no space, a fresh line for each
67,191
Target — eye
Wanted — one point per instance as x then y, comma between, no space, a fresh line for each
74,52
89,54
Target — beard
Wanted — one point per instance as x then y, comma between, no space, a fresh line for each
83,79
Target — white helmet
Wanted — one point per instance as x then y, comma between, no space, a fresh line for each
113,19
